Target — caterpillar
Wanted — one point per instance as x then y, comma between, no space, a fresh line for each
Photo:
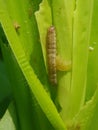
51,54
54,62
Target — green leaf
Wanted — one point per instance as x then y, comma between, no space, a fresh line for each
62,19
9,120
44,21
83,118
36,87
55,13
92,77
5,89
26,35
7,123
81,38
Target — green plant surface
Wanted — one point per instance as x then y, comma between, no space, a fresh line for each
81,27
7,122
35,85
43,15
62,20
84,117
19,85
4,82
51,14
5,89
92,77
73,103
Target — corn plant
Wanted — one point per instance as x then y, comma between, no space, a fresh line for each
28,100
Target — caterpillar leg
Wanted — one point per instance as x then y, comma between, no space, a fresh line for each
62,65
